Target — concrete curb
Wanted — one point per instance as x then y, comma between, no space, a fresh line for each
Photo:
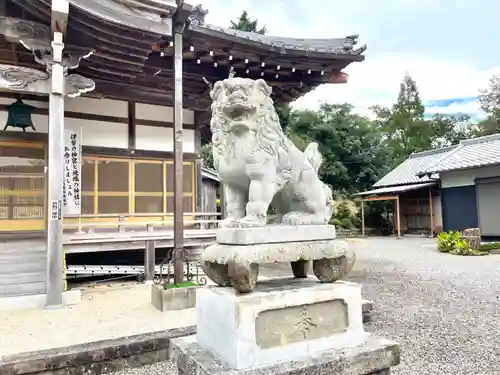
96,357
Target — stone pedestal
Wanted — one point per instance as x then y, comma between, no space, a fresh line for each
235,258
286,326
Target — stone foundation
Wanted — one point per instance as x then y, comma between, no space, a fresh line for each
374,357
286,326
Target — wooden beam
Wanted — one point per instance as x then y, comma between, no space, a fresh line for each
90,116
362,217
59,18
398,216
131,126
431,213
381,198
123,152
124,91
214,73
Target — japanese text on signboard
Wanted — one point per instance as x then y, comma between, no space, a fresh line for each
72,175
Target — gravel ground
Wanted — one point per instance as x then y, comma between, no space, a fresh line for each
444,310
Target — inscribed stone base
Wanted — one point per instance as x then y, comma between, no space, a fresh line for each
283,319
375,356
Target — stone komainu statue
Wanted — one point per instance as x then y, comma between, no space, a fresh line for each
258,165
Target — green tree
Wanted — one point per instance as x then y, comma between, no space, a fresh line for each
447,130
489,99
244,23
207,156
352,157
488,126
403,125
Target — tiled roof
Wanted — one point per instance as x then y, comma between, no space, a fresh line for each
406,172
333,46
330,48
473,153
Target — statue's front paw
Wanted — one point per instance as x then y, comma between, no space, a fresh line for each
252,221
293,218
228,223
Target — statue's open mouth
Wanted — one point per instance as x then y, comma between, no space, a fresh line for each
238,110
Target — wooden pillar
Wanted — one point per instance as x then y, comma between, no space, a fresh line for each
55,185
398,216
178,29
131,127
362,217
431,213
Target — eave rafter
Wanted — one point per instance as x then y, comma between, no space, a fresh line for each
126,57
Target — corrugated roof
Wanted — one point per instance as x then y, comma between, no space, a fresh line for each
406,172
472,153
396,189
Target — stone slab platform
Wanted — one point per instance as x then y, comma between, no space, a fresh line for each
375,356
275,234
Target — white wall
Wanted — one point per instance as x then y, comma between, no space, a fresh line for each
112,134
437,211
161,113
161,138
156,138
467,177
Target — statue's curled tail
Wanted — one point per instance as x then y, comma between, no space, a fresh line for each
313,156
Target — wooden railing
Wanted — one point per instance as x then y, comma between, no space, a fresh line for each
121,222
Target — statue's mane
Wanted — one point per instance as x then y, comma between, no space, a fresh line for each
270,135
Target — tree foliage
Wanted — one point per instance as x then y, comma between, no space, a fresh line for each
489,99
358,151
244,23
405,129
349,143
207,156
403,125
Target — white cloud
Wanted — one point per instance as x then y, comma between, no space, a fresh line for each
376,82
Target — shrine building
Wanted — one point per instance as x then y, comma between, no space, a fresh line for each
97,78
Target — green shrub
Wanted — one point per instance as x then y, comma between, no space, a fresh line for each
346,223
451,242
447,241
335,222
490,246
344,215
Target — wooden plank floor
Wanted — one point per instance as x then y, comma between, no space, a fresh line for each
113,240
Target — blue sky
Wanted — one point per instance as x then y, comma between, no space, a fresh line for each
447,46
